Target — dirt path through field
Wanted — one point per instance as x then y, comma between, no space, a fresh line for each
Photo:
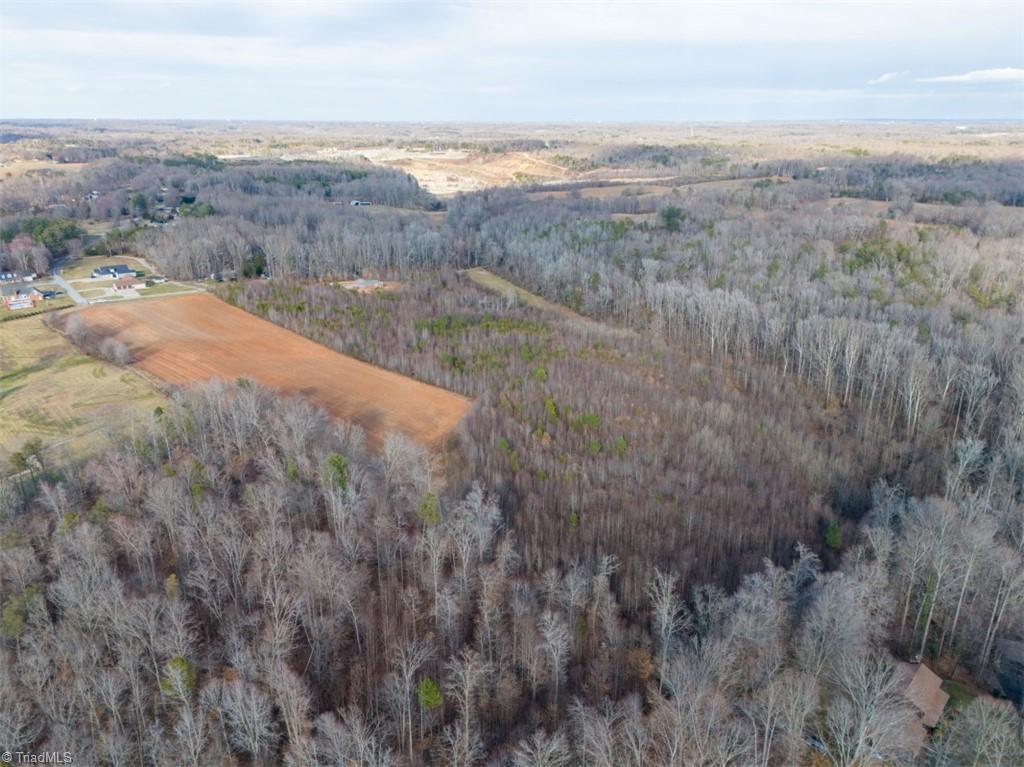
493,282
186,339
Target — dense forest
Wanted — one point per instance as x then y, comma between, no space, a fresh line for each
243,578
716,467
775,447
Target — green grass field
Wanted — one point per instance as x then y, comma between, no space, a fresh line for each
165,289
51,391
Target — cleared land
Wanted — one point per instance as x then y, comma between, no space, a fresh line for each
363,286
14,169
51,391
449,171
491,281
165,289
187,339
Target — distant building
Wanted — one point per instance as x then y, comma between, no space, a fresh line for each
18,276
115,271
922,689
19,297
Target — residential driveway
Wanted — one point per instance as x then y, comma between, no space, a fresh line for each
66,287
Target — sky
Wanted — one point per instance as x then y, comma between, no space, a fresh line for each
512,61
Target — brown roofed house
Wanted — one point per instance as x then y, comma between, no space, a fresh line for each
922,689
128,282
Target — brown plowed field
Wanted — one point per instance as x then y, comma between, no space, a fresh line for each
186,339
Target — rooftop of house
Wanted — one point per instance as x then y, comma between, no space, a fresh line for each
116,269
922,689
14,290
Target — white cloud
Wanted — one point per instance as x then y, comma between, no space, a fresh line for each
1003,75
887,77
513,22
500,59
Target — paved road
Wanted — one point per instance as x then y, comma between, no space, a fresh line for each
69,291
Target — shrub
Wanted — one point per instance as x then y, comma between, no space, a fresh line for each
429,694
430,510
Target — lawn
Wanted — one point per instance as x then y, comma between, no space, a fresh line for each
81,268
50,390
92,284
166,288
92,293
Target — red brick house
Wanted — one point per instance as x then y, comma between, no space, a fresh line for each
19,297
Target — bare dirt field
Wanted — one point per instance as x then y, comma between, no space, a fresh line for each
187,339
369,286
451,171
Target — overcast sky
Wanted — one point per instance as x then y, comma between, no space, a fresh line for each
514,61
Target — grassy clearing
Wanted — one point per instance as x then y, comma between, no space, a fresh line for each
17,168
92,293
81,268
166,288
49,390
97,228
493,282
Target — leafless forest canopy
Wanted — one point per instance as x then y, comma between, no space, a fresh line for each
776,446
